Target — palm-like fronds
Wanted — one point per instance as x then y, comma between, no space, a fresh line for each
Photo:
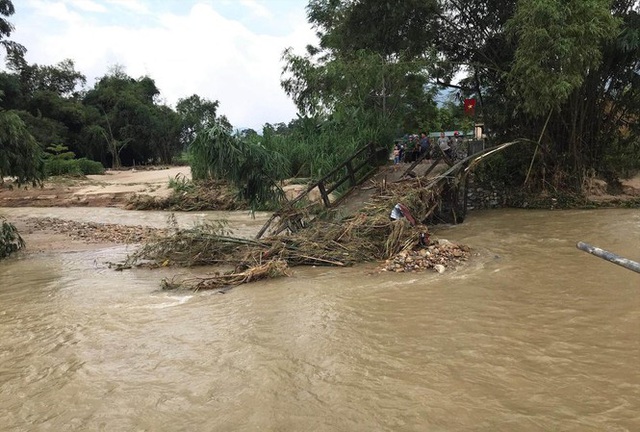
252,168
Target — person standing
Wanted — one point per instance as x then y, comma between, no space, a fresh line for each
425,146
396,154
416,148
444,145
460,150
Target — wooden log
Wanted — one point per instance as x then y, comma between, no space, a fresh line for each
323,193
352,174
433,165
266,226
609,256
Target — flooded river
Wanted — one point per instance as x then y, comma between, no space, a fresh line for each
531,335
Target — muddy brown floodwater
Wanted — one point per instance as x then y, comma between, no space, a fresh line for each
531,335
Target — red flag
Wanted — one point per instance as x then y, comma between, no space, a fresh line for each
470,106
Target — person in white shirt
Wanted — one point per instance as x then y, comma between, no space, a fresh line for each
444,145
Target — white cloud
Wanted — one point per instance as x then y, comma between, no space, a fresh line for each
256,8
195,51
56,10
88,5
132,5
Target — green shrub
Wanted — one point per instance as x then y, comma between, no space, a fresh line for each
184,159
89,167
10,240
72,167
181,184
57,167
59,151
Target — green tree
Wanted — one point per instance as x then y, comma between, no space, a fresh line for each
365,81
524,59
390,28
48,100
20,155
558,42
196,114
114,146
61,79
125,114
11,90
45,131
371,56
249,135
12,48
167,130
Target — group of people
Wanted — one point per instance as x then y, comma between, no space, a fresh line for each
414,147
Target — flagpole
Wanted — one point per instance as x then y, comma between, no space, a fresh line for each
475,122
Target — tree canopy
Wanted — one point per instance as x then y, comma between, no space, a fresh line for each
20,154
566,69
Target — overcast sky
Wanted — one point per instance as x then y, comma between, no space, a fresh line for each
226,50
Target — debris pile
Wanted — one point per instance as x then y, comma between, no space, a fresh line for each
325,239
194,196
269,269
91,232
438,256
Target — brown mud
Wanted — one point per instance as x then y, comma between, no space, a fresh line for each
112,189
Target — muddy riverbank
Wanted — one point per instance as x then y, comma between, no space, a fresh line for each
112,189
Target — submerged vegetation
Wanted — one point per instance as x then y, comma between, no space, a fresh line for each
10,240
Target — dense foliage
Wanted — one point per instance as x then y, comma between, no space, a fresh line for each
20,155
118,121
365,81
60,161
562,73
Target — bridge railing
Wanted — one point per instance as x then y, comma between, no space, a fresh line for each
352,172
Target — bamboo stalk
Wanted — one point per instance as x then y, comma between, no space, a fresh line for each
335,263
609,256
535,152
